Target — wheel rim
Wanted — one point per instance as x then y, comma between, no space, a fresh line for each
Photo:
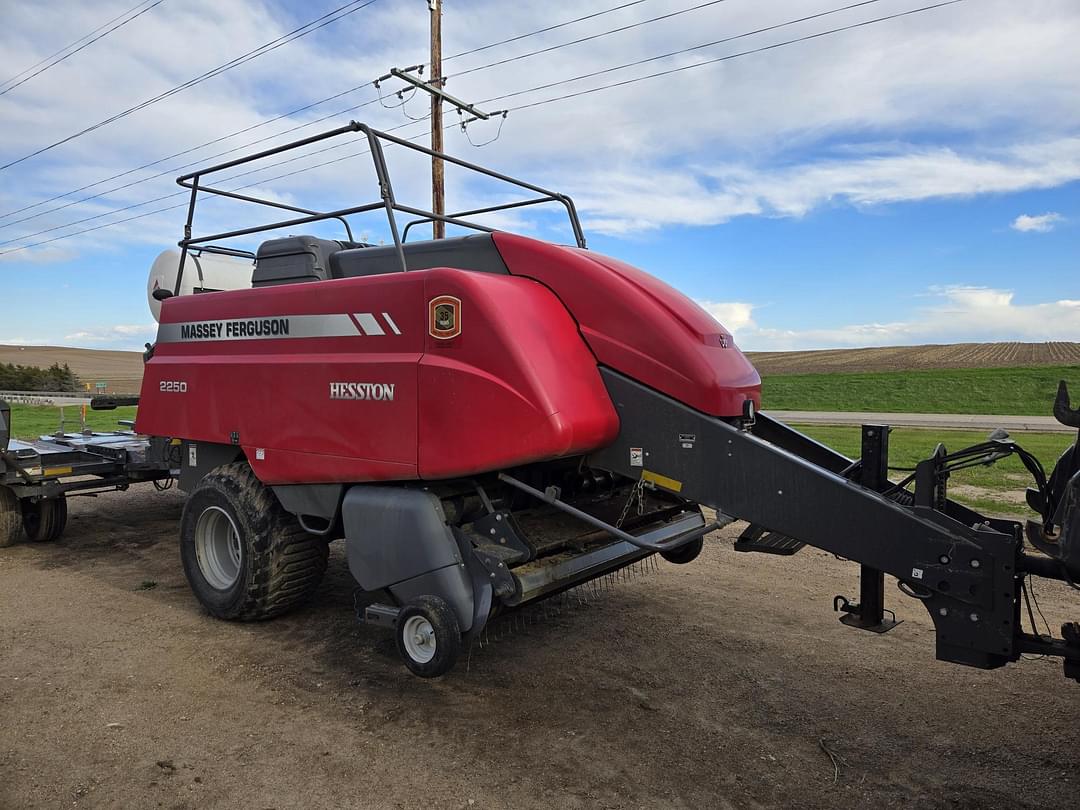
419,638
217,548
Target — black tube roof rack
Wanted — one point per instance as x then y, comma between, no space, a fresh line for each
388,202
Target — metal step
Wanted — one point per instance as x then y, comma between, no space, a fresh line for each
758,538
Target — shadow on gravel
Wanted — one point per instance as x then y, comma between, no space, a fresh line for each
113,525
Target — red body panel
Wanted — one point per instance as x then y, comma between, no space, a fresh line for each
343,380
275,392
517,385
640,326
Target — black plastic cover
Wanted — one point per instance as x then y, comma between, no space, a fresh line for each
294,259
477,252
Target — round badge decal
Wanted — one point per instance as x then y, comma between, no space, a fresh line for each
444,317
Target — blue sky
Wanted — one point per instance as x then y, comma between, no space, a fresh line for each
906,182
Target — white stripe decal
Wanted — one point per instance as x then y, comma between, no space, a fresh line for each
275,327
271,326
369,324
391,324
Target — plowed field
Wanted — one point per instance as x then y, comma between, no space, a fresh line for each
909,358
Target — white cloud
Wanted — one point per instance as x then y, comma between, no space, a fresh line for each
776,133
118,336
46,254
959,314
734,315
1043,223
976,98
641,198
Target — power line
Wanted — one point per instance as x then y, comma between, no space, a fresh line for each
543,30
312,26
286,115
71,45
714,61
691,49
471,70
232,177
555,99
589,38
168,172
184,193
529,105
170,157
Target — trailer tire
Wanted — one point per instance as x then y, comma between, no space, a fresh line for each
245,557
428,636
686,553
44,520
10,518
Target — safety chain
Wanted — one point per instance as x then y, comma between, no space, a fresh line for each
638,492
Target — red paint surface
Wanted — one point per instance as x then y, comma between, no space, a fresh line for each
519,384
638,325
477,402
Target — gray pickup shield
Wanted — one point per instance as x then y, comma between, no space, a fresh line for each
397,539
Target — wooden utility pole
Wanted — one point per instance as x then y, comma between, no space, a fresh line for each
438,189
434,87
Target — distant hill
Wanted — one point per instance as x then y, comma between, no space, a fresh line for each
909,358
121,371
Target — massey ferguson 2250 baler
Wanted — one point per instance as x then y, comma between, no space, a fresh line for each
491,419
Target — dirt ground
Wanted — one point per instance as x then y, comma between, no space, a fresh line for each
720,684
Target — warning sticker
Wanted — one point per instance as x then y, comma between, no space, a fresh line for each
637,457
192,456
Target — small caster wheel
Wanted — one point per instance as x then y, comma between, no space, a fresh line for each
684,553
428,636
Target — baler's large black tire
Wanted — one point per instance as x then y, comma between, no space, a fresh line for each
10,518
44,520
278,565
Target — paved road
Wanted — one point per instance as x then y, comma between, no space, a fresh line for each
925,420
922,420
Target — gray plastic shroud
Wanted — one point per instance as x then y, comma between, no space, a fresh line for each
397,539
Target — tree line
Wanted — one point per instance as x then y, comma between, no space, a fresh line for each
31,378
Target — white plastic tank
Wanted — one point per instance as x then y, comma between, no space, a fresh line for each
207,272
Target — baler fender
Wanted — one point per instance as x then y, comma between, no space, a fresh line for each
398,540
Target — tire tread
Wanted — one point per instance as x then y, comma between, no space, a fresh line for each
10,518
51,520
287,564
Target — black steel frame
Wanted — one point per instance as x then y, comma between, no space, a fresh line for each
388,201
967,570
